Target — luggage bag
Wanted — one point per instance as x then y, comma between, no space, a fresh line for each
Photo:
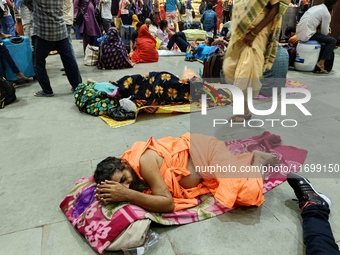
126,33
21,51
192,25
194,34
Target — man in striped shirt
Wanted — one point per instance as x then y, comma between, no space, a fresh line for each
50,33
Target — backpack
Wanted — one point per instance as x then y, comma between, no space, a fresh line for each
192,25
7,92
212,66
181,8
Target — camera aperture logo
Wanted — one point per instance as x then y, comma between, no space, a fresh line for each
239,101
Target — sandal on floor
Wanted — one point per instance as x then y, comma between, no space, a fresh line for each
321,72
243,117
20,76
321,69
190,59
42,94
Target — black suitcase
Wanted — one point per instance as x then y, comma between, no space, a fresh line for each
180,25
192,25
126,33
7,93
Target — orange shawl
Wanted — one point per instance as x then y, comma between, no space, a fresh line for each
145,51
204,151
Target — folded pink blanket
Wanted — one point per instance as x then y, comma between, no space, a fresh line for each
101,225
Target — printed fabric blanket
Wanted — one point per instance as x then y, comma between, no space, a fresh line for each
154,89
163,92
101,225
164,88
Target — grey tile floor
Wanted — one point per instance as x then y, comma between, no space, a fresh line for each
46,144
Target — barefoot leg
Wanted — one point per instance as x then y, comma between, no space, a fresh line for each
20,75
264,159
321,65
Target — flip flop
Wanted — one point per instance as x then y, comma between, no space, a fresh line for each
322,69
189,59
321,72
21,77
245,117
42,94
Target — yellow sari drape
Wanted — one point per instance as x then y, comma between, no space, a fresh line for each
243,66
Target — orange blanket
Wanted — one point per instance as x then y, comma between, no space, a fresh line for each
145,51
204,151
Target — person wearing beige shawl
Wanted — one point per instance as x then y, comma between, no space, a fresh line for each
253,44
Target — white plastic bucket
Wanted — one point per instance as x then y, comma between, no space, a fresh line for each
307,55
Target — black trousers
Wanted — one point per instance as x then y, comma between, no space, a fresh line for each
317,232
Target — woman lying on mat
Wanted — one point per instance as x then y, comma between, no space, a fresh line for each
145,51
154,88
167,174
164,88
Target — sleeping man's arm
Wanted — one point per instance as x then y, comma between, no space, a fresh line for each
159,201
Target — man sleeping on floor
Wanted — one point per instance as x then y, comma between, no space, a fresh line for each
167,174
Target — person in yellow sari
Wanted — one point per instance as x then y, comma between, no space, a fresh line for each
252,48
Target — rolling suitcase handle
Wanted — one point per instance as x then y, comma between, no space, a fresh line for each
16,39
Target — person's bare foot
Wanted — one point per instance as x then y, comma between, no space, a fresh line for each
264,159
321,67
21,76
2,35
